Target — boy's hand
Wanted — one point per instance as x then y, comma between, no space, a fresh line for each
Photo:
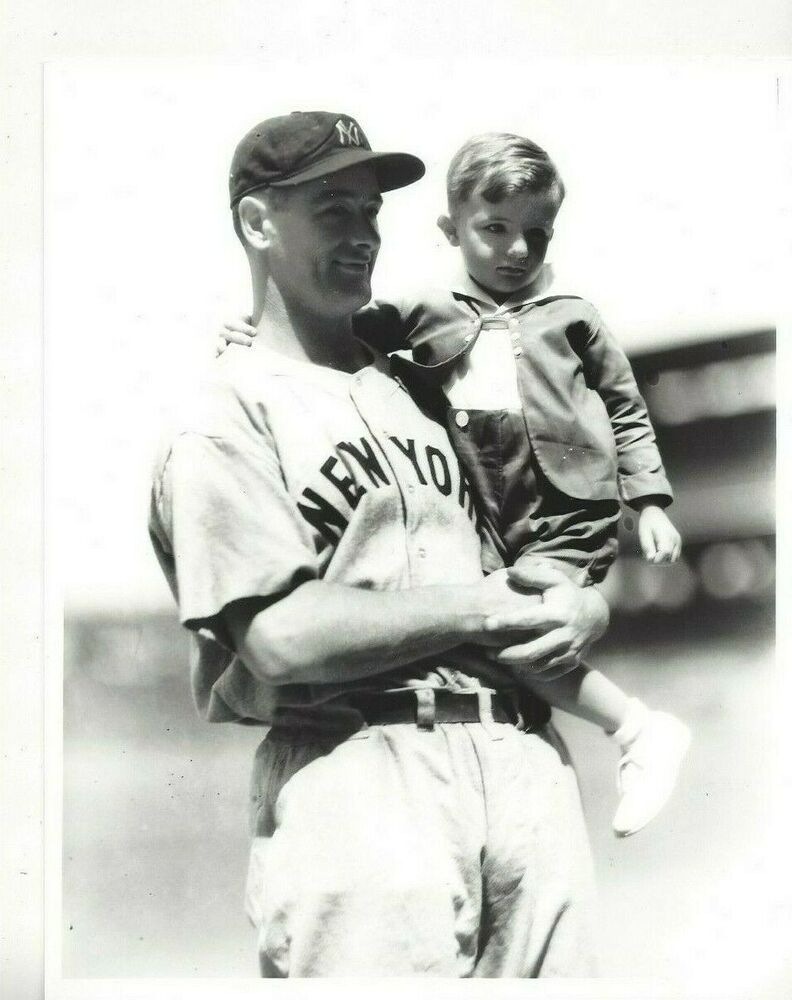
660,541
236,331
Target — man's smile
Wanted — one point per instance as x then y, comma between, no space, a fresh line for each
353,266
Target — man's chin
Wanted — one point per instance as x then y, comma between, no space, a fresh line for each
353,295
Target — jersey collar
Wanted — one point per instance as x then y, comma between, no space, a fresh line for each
275,363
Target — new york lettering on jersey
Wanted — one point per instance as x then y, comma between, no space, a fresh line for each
355,467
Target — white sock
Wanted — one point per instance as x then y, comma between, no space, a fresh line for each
633,723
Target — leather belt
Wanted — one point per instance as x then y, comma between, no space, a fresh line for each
428,706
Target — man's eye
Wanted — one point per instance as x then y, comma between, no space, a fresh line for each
335,211
495,227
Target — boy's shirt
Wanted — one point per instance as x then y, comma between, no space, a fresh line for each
485,377
586,419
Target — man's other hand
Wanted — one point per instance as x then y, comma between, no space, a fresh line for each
564,624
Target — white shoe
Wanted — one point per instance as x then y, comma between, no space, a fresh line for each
653,747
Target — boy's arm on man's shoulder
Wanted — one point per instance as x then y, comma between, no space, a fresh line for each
609,373
386,323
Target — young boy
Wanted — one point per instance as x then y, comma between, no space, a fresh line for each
547,420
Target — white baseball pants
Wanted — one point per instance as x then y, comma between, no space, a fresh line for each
459,851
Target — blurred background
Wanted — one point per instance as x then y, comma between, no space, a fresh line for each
661,231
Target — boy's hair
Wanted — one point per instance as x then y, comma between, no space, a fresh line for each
497,165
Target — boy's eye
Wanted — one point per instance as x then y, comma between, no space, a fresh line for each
495,227
537,238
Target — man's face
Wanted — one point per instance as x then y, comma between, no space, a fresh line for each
325,242
504,243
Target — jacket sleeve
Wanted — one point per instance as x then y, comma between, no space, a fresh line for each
384,325
608,372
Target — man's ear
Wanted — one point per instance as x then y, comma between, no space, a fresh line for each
446,226
254,222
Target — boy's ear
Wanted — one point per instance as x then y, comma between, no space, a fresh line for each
254,222
446,226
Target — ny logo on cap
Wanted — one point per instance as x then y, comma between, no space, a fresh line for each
348,134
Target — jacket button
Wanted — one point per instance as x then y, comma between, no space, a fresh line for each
461,418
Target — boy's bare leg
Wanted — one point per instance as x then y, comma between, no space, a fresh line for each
586,693
652,744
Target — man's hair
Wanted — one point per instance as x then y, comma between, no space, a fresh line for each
276,199
497,165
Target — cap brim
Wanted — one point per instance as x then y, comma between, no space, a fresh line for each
393,170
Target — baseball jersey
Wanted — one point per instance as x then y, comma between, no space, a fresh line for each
282,472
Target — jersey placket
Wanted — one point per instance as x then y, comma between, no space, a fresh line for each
368,400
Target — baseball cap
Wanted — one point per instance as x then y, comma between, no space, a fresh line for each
304,145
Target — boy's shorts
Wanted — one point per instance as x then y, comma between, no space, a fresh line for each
521,507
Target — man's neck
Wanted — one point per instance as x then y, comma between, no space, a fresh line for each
306,336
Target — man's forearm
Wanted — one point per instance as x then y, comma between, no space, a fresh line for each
322,633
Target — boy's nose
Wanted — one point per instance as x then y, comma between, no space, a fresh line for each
519,247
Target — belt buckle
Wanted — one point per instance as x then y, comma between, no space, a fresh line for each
486,717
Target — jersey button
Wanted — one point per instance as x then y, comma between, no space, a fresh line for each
422,553
461,418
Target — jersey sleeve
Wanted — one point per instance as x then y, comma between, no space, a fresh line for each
224,528
608,371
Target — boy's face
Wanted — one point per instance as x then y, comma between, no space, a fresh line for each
503,243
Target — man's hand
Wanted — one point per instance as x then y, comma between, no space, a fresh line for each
568,619
235,331
509,609
660,541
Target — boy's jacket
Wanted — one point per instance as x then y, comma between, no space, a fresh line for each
586,420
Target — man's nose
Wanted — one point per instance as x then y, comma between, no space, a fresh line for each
366,233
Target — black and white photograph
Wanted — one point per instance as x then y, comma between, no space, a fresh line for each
410,476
